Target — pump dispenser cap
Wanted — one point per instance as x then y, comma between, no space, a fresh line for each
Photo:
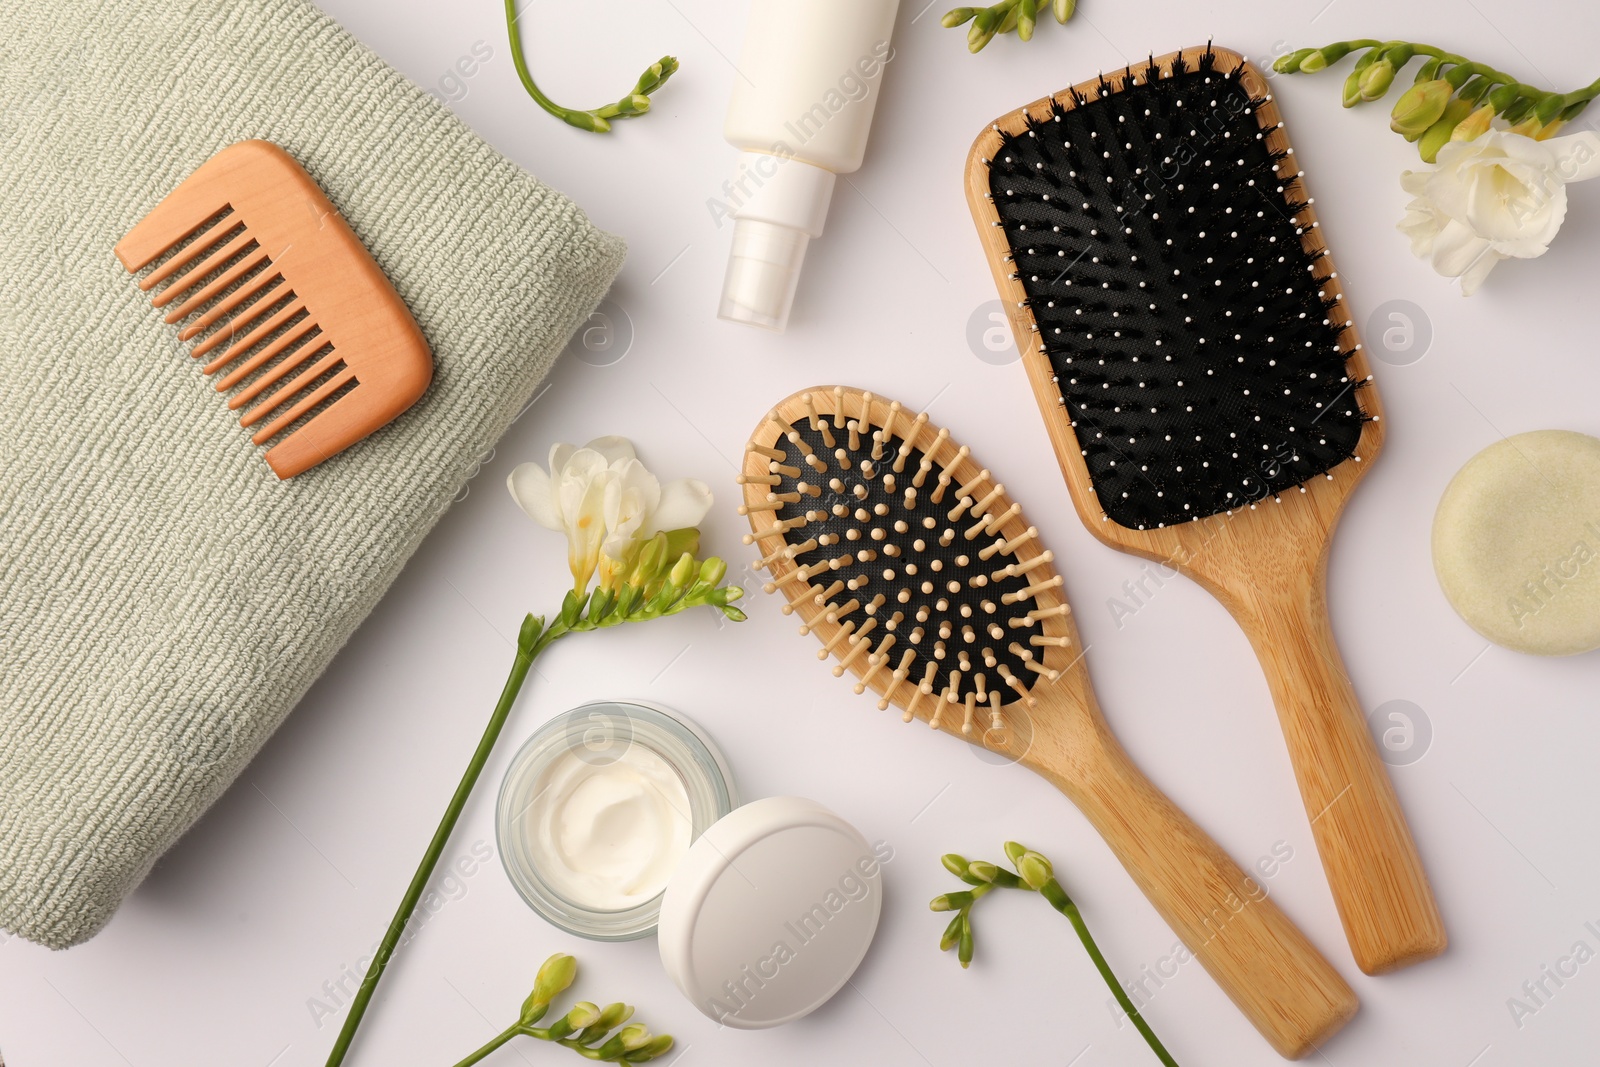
785,203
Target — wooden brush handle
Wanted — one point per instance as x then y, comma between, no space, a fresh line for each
1389,914
1252,949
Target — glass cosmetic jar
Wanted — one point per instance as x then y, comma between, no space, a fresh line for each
601,801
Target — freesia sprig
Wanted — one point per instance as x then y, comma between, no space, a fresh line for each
1451,97
1034,874
1499,188
1004,17
597,119
586,1028
631,549
608,504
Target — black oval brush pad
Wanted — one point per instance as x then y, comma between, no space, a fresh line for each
965,594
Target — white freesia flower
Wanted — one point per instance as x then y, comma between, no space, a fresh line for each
604,500
1498,196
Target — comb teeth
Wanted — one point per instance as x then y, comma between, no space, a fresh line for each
933,605
238,302
1179,290
275,290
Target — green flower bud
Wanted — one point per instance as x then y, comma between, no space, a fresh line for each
1419,107
1376,79
1027,12
681,541
982,870
1474,125
586,120
1290,64
952,933
1503,96
655,76
614,1015
555,975
955,863
632,1038
733,614
712,571
582,1014
964,941
1035,870
951,901
659,1045
957,16
1014,851
682,572
651,556
1474,90
528,636
982,30
1063,9
1321,58
1351,94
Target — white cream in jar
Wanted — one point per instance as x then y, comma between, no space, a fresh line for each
599,809
607,831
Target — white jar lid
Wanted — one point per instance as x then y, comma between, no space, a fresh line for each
770,913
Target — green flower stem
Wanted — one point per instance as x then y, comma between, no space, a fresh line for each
1034,875
1456,68
495,1042
594,120
532,640
1057,896
686,585
565,114
591,1052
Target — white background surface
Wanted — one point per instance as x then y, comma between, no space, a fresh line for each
292,876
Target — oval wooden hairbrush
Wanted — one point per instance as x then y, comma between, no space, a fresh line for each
1189,345
913,567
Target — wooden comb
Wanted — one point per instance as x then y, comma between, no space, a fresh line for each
915,569
281,295
1167,280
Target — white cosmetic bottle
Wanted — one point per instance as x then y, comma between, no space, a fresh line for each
803,98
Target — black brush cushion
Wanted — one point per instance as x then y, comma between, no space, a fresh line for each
1175,300
947,584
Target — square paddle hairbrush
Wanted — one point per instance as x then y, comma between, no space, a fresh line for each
284,302
1187,339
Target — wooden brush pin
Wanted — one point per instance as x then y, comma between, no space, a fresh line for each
965,627
281,295
1188,343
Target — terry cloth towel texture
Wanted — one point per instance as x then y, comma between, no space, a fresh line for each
164,599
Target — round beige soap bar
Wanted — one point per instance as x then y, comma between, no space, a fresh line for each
1516,542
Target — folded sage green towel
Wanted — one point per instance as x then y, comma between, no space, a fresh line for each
164,599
